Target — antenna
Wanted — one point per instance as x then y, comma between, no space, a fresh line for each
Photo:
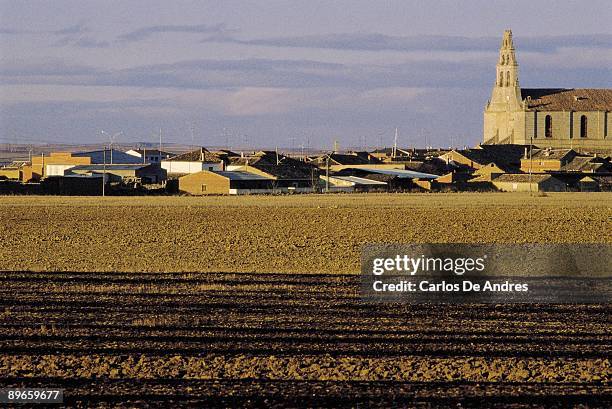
111,140
394,153
160,140
192,138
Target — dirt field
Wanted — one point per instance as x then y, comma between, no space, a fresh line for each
305,234
201,333
298,340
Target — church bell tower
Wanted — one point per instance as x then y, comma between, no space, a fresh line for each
506,101
507,91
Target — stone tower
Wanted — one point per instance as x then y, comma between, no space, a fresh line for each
506,96
574,118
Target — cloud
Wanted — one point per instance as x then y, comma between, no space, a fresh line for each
382,42
298,74
70,30
215,32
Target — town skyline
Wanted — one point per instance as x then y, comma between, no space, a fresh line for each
279,73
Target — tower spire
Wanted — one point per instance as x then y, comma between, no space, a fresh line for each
507,66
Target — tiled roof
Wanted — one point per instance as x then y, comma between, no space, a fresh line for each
548,154
278,165
507,157
239,175
587,164
521,178
574,99
198,155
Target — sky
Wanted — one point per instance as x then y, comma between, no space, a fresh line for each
282,73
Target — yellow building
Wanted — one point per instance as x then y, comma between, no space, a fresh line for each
39,162
547,117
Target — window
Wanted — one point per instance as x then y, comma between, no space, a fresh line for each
501,79
507,78
548,126
583,126
203,188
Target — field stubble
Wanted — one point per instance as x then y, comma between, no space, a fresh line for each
293,234
181,333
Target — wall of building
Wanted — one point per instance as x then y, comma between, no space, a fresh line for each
516,186
530,126
179,167
204,183
10,173
56,170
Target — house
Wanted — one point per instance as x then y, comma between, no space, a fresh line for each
546,160
193,162
505,157
335,159
150,155
225,183
10,173
61,161
588,164
288,173
522,182
127,173
57,163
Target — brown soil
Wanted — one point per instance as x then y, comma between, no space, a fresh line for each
183,334
210,339
308,233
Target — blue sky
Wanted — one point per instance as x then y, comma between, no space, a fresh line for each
282,73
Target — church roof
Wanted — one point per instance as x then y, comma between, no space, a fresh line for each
574,99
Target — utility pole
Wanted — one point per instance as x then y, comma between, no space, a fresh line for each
530,160
160,140
104,172
327,174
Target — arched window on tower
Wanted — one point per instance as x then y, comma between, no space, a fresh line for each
583,126
501,78
548,126
507,78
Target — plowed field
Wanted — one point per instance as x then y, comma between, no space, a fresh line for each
77,313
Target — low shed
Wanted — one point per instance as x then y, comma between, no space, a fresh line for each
225,183
528,183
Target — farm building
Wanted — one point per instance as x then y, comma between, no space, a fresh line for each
289,174
57,163
596,183
109,156
225,183
192,162
74,185
335,159
11,173
396,179
144,173
352,184
150,155
528,183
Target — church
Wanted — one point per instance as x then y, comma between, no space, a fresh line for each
575,118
